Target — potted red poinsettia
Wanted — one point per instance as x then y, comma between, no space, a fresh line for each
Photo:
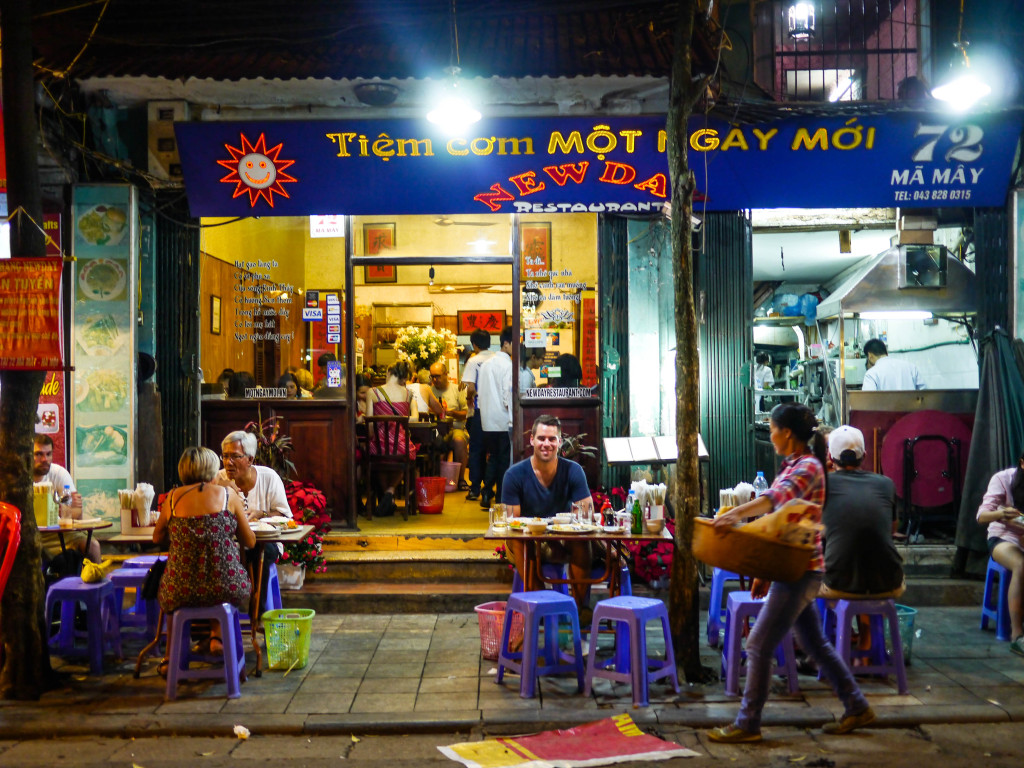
309,507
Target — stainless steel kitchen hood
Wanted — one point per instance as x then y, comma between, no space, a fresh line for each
904,278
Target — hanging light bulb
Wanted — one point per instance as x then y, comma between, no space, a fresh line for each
430,274
801,20
453,111
962,88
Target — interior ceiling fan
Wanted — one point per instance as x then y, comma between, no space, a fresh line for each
445,221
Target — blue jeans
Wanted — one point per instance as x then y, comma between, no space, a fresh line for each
792,605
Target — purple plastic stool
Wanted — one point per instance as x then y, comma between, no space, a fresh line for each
547,605
141,617
740,609
272,595
180,653
632,613
142,561
994,605
880,662
716,610
102,613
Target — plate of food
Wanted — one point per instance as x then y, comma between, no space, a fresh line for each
99,335
103,225
101,391
260,527
517,524
102,279
48,415
102,446
613,529
277,520
571,528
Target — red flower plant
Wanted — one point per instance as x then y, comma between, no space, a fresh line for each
309,507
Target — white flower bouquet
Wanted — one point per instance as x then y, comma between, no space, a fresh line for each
422,346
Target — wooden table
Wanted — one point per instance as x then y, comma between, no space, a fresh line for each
614,544
287,536
78,525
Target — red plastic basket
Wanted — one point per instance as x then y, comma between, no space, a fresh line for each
491,617
430,495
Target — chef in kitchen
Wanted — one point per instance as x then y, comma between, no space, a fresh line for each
888,373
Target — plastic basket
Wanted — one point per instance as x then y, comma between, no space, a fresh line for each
491,617
288,632
430,495
748,554
905,617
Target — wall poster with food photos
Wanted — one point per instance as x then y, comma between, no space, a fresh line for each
104,224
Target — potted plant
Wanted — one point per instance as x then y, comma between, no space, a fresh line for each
309,507
422,346
272,446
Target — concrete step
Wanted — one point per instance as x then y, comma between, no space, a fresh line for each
419,566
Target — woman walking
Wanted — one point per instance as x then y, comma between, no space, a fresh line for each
790,605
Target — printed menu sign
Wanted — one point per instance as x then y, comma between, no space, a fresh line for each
30,322
104,223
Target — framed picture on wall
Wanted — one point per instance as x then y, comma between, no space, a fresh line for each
535,241
378,238
380,273
490,320
215,315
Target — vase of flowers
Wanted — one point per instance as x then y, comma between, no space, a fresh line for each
422,346
309,507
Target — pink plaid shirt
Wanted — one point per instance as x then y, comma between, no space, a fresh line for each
801,477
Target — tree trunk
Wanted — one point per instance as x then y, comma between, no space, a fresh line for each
26,671
683,594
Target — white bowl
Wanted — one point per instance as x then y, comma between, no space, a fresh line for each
656,525
537,525
563,518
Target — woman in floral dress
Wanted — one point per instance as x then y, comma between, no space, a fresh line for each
206,523
393,399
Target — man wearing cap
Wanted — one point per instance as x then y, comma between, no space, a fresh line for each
859,518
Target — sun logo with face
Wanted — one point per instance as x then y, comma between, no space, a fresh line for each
256,170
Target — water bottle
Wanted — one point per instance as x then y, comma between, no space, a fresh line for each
760,484
65,498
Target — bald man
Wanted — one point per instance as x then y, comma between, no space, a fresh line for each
443,390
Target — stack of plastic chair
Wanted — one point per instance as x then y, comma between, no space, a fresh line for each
140,618
995,605
10,539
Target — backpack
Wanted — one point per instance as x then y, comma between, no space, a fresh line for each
67,563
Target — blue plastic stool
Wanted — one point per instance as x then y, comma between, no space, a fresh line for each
632,613
879,662
142,561
272,597
549,606
102,613
716,608
740,609
180,654
995,605
141,617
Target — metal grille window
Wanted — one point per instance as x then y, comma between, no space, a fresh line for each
850,50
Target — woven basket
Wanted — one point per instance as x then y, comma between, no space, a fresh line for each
749,554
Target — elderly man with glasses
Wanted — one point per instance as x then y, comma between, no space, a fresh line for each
260,488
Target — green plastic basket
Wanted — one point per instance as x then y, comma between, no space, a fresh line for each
288,632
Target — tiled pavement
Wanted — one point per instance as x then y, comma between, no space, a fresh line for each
423,672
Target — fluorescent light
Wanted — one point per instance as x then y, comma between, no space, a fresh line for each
896,314
962,92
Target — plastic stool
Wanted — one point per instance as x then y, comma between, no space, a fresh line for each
879,661
995,605
141,617
556,571
180,653
547,605
101,619
272,597
741,607
716,610
142,561
632,613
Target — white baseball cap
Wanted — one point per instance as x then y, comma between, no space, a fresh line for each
845,438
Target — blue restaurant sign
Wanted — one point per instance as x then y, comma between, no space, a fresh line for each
600,164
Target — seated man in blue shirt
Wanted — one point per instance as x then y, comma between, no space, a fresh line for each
543,486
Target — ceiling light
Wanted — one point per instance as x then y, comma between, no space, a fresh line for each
896,314
453,111
801,20
430,275
376,94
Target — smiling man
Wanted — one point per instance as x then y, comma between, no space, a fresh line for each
543,486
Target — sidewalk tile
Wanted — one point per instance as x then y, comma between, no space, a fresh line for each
384,702
320,703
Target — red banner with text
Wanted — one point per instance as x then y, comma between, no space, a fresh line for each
31,331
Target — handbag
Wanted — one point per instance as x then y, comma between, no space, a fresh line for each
151,586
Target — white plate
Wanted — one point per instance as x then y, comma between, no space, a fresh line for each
571,528
103,225
275,519
260,526
102,279
612,529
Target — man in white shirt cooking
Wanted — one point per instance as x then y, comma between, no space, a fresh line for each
888,373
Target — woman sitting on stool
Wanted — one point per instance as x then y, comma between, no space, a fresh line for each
205,523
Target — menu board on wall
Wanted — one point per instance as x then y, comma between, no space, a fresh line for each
104,223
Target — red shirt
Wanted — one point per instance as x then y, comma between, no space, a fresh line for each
801,477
